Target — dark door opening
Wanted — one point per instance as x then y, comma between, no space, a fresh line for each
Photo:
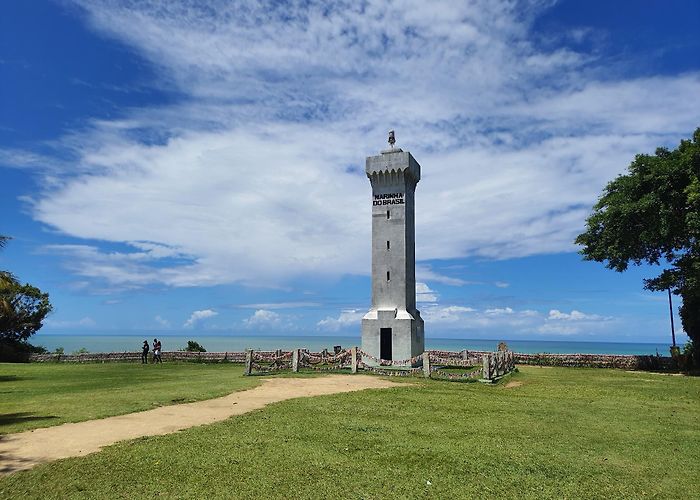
385,343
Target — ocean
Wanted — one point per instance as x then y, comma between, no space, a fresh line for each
219,343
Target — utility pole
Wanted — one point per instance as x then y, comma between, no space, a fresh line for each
670,308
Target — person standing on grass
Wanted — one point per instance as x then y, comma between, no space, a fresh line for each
144,352
156,351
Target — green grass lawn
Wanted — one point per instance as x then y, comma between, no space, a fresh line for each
41,395
564,433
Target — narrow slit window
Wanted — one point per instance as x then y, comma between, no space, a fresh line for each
388,245
388,276
388,214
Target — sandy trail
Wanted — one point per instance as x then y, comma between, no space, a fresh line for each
24,450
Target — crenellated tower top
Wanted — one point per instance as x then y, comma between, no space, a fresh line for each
391,162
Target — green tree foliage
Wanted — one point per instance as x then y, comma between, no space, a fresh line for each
5,277
22,307
193,346
652,215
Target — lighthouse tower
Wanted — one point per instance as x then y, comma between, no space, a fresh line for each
393,328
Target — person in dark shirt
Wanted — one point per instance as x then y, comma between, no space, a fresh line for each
144,352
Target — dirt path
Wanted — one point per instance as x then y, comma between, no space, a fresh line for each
24,450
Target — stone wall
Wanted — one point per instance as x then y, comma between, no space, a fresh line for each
625,362
135,357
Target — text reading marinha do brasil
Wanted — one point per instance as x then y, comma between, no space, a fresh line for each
388,199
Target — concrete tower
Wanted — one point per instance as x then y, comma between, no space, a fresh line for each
393,328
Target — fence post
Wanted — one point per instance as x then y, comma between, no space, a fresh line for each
486,368
248,361
426,364
353,360
295,360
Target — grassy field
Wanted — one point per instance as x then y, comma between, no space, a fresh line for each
41,395
563,432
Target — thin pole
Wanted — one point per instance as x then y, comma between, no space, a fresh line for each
670,308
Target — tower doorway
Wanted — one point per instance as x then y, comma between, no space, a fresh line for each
385,343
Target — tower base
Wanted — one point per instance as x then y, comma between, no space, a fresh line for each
390,334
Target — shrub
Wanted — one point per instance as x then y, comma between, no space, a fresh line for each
193,346
691,354
18,351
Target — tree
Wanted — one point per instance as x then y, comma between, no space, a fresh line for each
652,215
193,346
22,307
5,277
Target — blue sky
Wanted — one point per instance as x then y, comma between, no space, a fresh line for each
169,166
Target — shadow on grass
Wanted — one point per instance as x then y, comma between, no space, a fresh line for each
10,464
18,418
10,378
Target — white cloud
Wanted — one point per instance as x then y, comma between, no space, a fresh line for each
424,293
164,323
575,323
278,305
346,318
501,284
512,323
198,316
574,315
123,270
424,272
515,322
86,322
252,166
446,314
498,311
263,318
